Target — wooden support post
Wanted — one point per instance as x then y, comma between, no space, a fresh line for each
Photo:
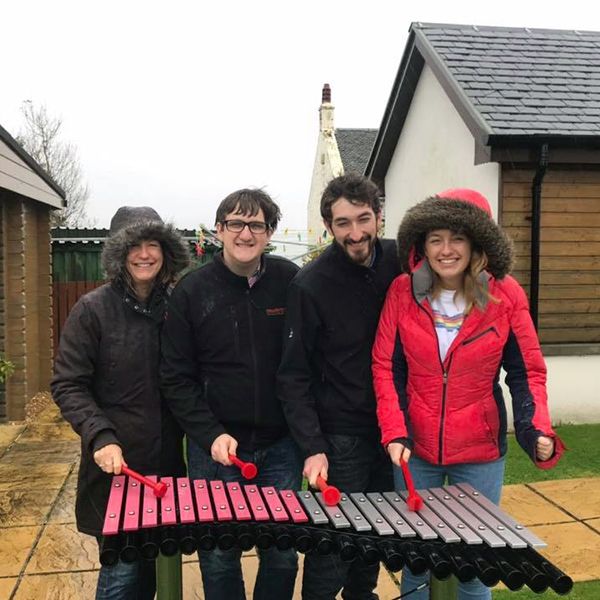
444,590
169,580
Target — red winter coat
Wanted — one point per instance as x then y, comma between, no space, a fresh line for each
453,411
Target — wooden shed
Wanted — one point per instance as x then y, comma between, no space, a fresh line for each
27,197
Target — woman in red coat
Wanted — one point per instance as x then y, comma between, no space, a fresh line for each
448,326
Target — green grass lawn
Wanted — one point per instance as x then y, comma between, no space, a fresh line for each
582,459
589,590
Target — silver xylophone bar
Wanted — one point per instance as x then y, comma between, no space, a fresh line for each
457,531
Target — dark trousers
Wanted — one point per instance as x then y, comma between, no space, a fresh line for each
127,581
355,465
279,465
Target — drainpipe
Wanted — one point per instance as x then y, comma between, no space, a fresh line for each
536,211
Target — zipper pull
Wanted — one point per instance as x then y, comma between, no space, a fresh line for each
445,376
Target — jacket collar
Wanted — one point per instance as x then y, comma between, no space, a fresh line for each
237,280
154,308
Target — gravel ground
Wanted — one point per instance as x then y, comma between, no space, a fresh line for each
36,405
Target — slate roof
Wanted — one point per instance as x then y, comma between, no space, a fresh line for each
523,81
511,86
355,147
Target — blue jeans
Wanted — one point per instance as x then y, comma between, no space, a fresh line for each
355,465
279,465
127,581
485,477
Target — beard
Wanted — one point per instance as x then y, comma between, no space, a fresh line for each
359,252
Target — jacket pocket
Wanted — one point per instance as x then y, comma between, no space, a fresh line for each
489,422
488,331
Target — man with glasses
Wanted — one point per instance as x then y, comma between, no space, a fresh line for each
325,381
221,346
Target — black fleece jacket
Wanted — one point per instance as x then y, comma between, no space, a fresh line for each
221,346
324,380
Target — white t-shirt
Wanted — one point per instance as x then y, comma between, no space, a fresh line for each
448,314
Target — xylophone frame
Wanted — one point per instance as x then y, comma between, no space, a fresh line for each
457,532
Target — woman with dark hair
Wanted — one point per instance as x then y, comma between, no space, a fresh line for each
447,327
106,378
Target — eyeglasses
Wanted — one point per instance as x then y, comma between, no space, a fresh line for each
237,226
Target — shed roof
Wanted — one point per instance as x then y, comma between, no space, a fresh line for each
18,174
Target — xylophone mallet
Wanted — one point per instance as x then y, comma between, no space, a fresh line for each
414,501
159,489
248,469
331,494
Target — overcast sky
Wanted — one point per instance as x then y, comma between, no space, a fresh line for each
176,104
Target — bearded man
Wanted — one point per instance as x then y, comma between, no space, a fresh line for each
324,381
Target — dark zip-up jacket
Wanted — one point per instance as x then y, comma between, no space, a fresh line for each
221,347
106,385
324,381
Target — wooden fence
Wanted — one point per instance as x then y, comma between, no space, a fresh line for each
64,295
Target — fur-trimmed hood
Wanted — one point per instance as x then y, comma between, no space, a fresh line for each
466,211
143,224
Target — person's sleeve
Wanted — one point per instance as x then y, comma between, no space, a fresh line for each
72,383
179,380
294,379
390,374
526,378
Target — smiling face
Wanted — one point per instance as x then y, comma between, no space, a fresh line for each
144,262
242,250
449,255
354,227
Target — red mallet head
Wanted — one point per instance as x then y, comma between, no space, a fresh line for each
414,502
331,494
160,489
249,471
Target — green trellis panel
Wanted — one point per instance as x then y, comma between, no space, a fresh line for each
76,262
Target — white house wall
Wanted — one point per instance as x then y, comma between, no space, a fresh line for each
435,152
328,164
573,389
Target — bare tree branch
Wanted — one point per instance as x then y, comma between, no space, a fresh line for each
40,138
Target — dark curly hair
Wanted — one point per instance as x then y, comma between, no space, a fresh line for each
357,189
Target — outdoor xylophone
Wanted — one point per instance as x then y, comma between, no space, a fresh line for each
456,531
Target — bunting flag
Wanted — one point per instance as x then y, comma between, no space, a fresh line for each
201,243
